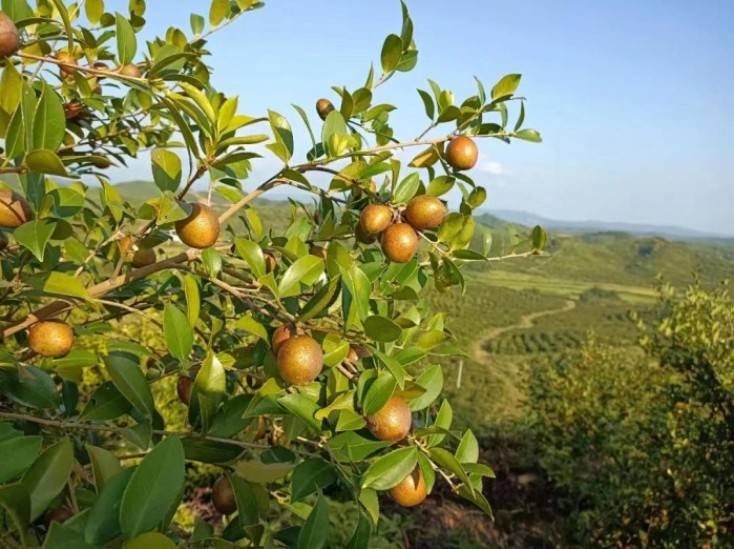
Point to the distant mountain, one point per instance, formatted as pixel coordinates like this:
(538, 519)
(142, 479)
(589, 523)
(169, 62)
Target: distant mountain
(638, 229)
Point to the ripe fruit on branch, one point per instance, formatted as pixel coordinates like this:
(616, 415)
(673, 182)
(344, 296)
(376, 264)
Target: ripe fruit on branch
(131, 70)
(399, 242)
(14, 210)
(223, 496)
(375, 218)
(411, 491)
(462, 153)
(300, 360)
(143, 257)
(50, 338)
(361, 234)
(68, 65)
(318, 251)
(357, 352)
(425, 212)
(324, 107)
(184, 387)
(73, 110)
(282, 334)
(392, 422)
(9, 36)
(270, 262)
(57, 514)
(200, 229)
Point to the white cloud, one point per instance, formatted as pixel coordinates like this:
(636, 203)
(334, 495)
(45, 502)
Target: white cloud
(492, 167)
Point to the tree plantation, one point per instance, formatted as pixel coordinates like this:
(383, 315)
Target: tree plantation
(153, 350)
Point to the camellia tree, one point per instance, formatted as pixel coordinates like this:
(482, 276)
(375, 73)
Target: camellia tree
(304, 353)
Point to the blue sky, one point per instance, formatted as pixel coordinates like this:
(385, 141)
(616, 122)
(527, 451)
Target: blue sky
(633, 98)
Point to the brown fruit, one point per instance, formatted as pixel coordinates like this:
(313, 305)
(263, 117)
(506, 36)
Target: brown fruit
(357, 352)
(411, 491)
(66, 69)
(399, 242)
(375, 218)
(57, 514)
(300, 360)
(362, 235)
(223, 496)
(9, 37)
(3, 241)
(14, 210)
(50, 338)
(270, 262)
(318, 251)
(200, 229)
(73, 110)
(324, 107)
(281, 335)
(131, 70)
(143, 257)
(425, 212)
(101, 66)
(184, 387)
(392, 422)
(462, 153)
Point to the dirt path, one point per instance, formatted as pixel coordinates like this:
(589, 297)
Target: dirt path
(527, 321)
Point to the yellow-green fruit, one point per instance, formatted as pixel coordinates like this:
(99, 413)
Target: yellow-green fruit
(324, 107)
(281, 335)
(425, 212)
(223, 496)
(375, 218)
(300, 360)
(184, 387)
(143, 257)
(411, 491)
(14, 210)
(131, 70)
(200, 229)
(362, 235)
(462, 153)
(392, 422)
(399, 242)
(9, 37)
(50, 338)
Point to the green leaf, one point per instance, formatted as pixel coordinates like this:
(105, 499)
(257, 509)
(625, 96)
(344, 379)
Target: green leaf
(252, 253)
(178, 332)
(392, 51)
(18, 454)
(529, 135)
(48, 162)
(104, 465)
(193, 299)
(303, 407)
(218, 11)
(129, 379)
(428, 104)
(311, 475)
(65, 285)
(247, 504)
(305, 270)
(103, 520)
(94, 10)
(106, 403)
(441, 185)
(208, 391)
(379, 393)
(15, 501)
(356, 291)
(391, 469)
(432, 381)
(49, 122)
(382, 329)
(31, 387)
(166, 169)
(506, 86)
(11, 88)
(444, 418)
(155, 489)
(252, 326)
(446, 460)
(539, 238)
(209, 451)
(283, 136)
(34, 236)
(351, 446)
(127, 43)
(48, 475)
(468, 450)
(477, 197)
(231, 419)
(315, 531)
(65, 536)
(362, 534)
(321, 300)
(151, 540)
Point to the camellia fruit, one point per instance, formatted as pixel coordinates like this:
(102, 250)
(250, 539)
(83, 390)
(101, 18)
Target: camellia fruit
(184, 388)
(392, 422)
(14, 210)
(143, 257)
(399, 242)
(50, 338)
(375, 218)
(425, 212)
(131, 70)
(324, 107)
(9, 36)
(282, 334)
(300, 360)
(411, 491)
(462, 153)
(223, 496)
(200, 229)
